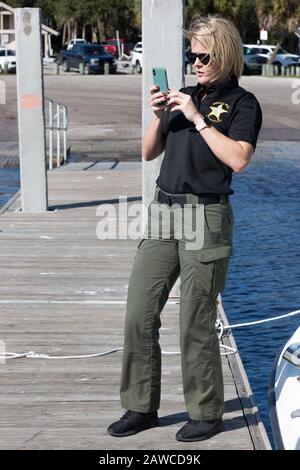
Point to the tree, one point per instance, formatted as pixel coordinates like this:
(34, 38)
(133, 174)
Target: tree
(241, 12)
(118, 15)
(102, 17)
(279, 17)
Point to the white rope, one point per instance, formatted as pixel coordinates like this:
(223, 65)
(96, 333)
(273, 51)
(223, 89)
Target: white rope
(33, 355)
(220, 328)
(257, 322)
(228, 350)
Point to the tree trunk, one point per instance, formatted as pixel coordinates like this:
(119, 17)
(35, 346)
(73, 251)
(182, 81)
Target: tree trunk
(64, 33)
(94, 35)
(69, 30)
(75, 29)
(100, 30)
(274, 53)
(104, 25)
(83, 30)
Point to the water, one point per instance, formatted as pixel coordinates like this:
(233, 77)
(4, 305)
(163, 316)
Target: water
(9, 183)
(264, 276)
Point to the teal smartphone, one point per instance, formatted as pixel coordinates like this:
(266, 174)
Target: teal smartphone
(160, 79)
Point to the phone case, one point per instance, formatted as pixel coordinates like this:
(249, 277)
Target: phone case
(160, 79)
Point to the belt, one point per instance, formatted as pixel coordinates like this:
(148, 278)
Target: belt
(189, 198)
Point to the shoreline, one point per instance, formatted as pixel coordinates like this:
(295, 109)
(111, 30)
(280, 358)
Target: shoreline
(10, 159)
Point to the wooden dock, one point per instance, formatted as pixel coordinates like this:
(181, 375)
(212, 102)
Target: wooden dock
(63, 292)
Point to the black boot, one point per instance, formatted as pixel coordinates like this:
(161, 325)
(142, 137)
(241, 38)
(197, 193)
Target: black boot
(195, 430)
(133, 422)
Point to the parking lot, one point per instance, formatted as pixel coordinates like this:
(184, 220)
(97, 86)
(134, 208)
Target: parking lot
(105, 111)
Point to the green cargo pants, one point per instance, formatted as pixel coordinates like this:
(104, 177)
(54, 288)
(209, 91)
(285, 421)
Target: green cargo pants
(157, 264)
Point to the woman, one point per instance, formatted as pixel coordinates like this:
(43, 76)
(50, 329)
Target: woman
(207, 132)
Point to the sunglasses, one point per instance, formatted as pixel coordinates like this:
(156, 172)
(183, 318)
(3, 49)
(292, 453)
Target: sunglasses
(192, 56)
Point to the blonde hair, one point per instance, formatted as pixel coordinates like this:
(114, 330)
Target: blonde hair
(223, 41)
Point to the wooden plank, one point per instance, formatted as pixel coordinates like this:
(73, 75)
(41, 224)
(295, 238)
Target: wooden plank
(46, 296)
(251, 413)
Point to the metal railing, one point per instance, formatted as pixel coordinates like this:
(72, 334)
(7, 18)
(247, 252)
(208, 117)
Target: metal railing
(57, 126)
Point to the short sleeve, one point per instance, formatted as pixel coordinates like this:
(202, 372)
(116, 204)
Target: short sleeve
(246, 120)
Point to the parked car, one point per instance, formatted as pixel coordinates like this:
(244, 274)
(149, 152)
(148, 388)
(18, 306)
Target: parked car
(252, 62)
(111, 46)
(93, 56)
(9, 58)
(75, 41)
(128, 48)
(282, 58)
(137, 57)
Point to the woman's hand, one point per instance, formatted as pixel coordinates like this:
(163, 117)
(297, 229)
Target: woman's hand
(156, 98)
(182, 102)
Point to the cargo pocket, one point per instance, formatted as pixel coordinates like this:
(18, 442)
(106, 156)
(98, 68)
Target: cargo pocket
(227, 226)
(219, 276)
(211, 276)
(213, 224)
(218, 230)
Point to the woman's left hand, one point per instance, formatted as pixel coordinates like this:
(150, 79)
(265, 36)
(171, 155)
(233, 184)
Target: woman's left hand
(182, 102)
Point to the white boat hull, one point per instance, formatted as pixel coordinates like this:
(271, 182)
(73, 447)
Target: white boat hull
(284, 396)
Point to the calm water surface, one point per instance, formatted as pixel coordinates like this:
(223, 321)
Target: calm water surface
(264, 275)
(9, 183)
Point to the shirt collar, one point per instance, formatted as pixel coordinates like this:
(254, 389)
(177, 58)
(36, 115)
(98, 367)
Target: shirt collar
(218, 88)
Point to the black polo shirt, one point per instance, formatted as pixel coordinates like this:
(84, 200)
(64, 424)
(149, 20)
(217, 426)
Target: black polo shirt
(189, 166)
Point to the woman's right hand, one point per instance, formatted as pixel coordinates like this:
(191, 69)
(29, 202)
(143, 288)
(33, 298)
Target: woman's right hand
(157, 97)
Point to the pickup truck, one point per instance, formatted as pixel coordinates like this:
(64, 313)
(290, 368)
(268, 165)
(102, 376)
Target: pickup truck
(93, 56)
(74, 41)
(111, 46)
